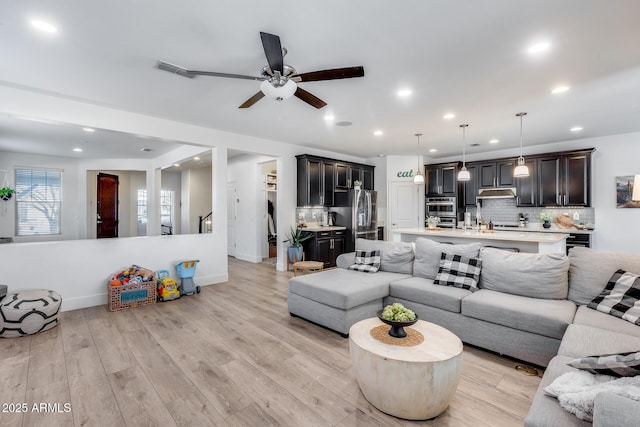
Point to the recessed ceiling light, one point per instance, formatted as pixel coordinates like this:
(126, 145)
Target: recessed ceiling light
(539, 47)
(88, 129)
(196, 158)
(176, 165)
(433, 150)
(380, 155)
(344, 123)
(560, 89)
(77, 150)
(494, 141)
(448, 116)
(403, 93)
(377, 132)
(576, 129)
(44, 26)
(145, 149)
(329, 117)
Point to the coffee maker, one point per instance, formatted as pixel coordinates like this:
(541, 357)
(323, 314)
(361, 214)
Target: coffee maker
(332, 218)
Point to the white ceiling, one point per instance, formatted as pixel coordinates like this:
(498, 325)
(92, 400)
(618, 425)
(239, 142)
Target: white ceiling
(468, 57)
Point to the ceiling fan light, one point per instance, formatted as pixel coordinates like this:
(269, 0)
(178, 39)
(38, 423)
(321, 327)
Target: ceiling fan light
(279, 93)
(418, 178)
(464, 174)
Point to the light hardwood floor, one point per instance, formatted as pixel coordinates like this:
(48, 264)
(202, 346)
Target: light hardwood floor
(231, 356)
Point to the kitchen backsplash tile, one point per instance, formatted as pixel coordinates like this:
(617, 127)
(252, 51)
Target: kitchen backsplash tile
(506, 211)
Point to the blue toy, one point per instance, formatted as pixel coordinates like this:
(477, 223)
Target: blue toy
(186, 271)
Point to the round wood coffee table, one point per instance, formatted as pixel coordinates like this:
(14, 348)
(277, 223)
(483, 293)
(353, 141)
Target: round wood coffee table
(414, 383)
(307, 266)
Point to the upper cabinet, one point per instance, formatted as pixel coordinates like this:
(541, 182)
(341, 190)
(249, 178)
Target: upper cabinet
(469, 188)
(495, 174)
(442, 179)
(319, 179)
(564, 179)
(527, 187)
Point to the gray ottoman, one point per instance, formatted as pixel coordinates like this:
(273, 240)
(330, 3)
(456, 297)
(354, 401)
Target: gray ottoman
(28, 311)
(338, 298)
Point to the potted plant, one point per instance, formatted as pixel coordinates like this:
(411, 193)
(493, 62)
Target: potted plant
(295, 238)
(357, 184)
(6, 193)
(432, 222)
(546, 218)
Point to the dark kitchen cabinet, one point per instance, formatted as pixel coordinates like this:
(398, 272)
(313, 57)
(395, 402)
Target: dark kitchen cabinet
(469, 188)
(564, 180)
(527, 187)
(367, 178)
(348, 173)
(442, 179)
(343, 174)
(495, 174)
(325, 246)
(315, 181)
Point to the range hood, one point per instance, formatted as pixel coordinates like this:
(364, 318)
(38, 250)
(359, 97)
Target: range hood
(497, 193)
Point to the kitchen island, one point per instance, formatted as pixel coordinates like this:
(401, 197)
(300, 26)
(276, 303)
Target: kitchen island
(531, 242)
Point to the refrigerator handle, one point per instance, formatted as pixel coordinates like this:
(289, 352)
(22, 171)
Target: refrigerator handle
(369, 209)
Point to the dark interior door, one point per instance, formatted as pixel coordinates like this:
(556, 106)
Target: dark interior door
(107, 215)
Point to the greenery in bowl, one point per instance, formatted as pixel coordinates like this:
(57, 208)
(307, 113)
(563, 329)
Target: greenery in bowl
(296, 238)
(397, 312)
(357, 183)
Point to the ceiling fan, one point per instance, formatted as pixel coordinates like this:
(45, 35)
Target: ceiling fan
(279, 80)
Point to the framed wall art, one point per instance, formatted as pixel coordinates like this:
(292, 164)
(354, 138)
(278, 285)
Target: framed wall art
(624, 190)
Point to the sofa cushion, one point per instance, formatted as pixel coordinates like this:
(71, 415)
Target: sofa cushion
(428, 255)
(458, 271)
(617, 365)
(583, 341)
(343, 289)
(529, 275)
(423, 291)
(545, 317)
(620, 298)
(590, 317)
(395, 257)
(590, 270)
(366, 261)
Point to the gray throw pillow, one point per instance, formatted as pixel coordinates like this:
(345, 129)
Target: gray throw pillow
(529, 275)
(395, 257)
(428, 254)
(616, 365)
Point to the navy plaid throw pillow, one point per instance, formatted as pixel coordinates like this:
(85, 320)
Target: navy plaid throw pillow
(367, 261)
(621, 297)
(458, 271)
(617, 365)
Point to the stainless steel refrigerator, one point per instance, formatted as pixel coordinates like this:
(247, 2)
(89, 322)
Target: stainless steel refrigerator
(356, 210)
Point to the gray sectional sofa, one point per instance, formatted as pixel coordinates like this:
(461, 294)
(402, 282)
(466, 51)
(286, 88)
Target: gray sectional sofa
(528, 306)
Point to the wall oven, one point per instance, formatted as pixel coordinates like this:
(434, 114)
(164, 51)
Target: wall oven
(444, 208)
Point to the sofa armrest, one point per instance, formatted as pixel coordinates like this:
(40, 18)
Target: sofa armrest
(611, 410)
(346, 259)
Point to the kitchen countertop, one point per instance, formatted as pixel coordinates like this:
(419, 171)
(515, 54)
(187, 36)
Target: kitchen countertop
(513, 236)
(538, 228)
(316, 228)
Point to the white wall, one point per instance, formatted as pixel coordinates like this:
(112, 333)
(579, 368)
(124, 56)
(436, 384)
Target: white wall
(200, 196)
(171, 181)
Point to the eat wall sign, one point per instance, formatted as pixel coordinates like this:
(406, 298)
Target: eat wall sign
(405, 174)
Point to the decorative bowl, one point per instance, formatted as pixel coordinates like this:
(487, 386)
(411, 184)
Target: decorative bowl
(397, 328)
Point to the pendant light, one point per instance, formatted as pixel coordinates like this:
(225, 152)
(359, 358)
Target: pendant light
(418, 178)
(464, 174)
(521, 170)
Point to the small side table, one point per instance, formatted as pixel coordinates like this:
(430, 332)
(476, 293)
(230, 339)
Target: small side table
(414, 383)
(307, 266)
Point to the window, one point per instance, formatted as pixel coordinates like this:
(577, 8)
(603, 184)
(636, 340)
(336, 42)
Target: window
(142, 206)
(166, 207)
(38, 202)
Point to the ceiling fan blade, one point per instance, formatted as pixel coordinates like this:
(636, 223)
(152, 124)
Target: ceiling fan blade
(181, 71)
(273, 51)
(334, 74)
(255, 98)
(309, 98)
(216, 74)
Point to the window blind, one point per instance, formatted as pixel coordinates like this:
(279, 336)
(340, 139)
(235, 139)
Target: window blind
(38, 202)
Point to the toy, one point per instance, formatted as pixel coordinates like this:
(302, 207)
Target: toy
(186, 271)
(167, 287)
